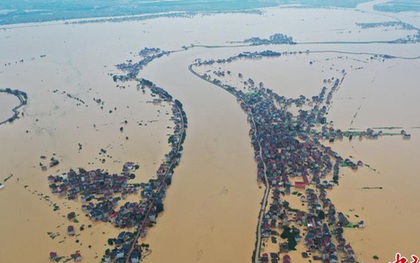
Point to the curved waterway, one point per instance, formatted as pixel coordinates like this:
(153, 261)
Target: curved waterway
(212, 206)
(7, 103)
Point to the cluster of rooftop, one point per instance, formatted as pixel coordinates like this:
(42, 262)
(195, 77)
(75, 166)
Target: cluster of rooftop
(152, 193)
(101, 192)
(276, 39)
(290, 155)
(147, 55)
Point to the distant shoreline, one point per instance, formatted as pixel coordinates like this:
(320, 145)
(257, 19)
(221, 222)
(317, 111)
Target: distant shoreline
(18, 14)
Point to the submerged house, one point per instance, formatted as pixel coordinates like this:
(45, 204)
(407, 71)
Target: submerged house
(77, 257)
(286, 259)
(300, 185)
(53, 256)
(350, 252)
(70, 230)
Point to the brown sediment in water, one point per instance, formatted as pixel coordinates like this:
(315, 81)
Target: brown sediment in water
(7, 102)
(390, 117)
(211, 208)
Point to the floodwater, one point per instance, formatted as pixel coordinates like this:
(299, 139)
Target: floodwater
(212, 205)
(7, 103)
(374, 94)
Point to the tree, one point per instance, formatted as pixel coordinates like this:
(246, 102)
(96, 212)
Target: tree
(159, 208)
(168, 180)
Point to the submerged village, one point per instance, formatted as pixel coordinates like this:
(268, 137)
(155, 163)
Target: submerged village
(292, 160)
(287, 136)
(102, 194)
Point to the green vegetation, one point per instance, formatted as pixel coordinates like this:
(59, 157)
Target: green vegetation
(168, 180)
(53, 235)
(396, 24)
(375, 257)
(290, 235)
(350, 225)
(53, 10)
(171, 139)
(396, 6)
(56, 207)
(159, 208)
(344, 164)
(386, 128)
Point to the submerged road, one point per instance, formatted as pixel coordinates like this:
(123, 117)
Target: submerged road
(256, 254)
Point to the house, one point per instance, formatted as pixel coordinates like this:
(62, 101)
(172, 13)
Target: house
(300, 185)
(51, 179)
(70, 230)
(152, 218)
(120, 254)
(264, 258)
(54, 163)
(406, 136)
(53, 256)
(349, 250)
(305, 179)
(286, 259)
(342, 219)
(77, 257)
(135, 258)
